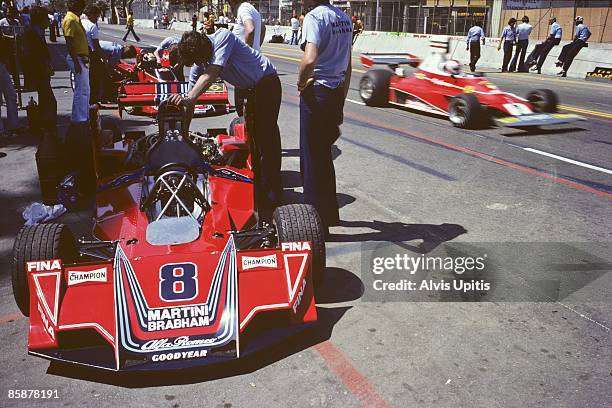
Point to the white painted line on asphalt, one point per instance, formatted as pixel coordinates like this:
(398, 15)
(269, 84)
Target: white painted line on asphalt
(355, 102)
(565, 159)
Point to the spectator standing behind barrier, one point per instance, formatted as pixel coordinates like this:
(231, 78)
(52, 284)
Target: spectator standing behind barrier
(474, 37)
(223, 55)
(130, 27)
(323, 82)
(194, 22)
(37, 67)
(89, 22)
(508, 37)
(77, 59)
(295, 28)
(554, 38)
(580, 40)
(7, 89)
(522, 31)
(155, 21)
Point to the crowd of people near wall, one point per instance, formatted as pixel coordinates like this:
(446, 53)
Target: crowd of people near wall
(515, 40)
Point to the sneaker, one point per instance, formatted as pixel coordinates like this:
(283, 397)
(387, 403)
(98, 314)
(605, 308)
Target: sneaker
(562, 73)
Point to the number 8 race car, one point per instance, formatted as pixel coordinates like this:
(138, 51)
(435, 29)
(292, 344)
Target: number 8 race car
(439, 87)
(181, 271)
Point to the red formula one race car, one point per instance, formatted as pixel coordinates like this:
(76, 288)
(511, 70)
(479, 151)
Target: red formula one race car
(181, 271)
(152, 82)
(439, 87)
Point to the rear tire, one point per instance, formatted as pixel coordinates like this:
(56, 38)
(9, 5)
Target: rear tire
(465, 112)
(543, 100)
(37, 243)
(301, 222)
(374, 87)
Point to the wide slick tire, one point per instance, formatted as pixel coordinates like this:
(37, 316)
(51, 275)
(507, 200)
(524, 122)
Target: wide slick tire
(374, 87)
(37, 243)
(301, 222)
(543, 100)
(465, 112)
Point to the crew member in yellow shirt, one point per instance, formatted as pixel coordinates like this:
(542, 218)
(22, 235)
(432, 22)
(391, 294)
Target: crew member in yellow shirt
(77, 59)
(130, 27)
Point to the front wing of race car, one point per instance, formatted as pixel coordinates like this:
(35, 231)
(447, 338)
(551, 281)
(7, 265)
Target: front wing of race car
(538, 119)
(166, 312)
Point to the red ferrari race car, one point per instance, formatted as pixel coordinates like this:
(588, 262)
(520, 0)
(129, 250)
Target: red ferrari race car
(439, 87)
(181, 272)
(146, 79)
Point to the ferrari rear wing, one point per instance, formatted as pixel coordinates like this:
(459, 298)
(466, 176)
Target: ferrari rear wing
(153, 93)
(392, 60)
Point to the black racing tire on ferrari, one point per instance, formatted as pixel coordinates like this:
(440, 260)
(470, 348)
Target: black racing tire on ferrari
(301, 222)
(374, 87)
(543, 100)
(464, 111)
(37, 243)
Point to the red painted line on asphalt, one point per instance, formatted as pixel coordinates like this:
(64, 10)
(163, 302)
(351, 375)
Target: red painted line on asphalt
(11, 317)
(486, 157)
(352, 379)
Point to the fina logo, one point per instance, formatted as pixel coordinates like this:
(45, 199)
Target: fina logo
(250, 262)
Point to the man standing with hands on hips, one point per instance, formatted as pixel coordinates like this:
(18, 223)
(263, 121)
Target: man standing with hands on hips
(522, 32)
(323, 82)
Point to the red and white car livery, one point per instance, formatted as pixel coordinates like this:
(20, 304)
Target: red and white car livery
(181, 270)
(439, 87)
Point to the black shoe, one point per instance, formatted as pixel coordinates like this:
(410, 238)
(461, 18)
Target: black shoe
(562, 73)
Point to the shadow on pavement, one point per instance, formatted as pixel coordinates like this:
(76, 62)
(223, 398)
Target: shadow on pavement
(535, 131)
(432, 235)
(340, 285)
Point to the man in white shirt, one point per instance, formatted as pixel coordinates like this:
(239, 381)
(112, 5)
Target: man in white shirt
(249, 27)
(295, 28)
(522, 32)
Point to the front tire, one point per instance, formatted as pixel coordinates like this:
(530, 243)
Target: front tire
(465, 112)
(37, 243)
(543, 100)
(374, 87)
(301, 222)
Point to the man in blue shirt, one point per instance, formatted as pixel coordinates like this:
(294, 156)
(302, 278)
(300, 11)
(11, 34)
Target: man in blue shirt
(323, 82)
(554, 38)
(523, 30)
(474, 36)
(580, 40)
(223, 55)
(509, 39)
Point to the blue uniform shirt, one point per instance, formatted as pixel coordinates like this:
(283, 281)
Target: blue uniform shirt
(331, 31)
(556, 30)
(475, 34)
(111, 51)
(523, 30)
(509, 33)
(582, 32)
(166, 43)
(242, 66)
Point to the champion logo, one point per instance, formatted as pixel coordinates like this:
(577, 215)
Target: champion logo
(268, 261)
(96, 275)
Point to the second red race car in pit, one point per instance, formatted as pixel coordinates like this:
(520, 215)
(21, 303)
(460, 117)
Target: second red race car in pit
(181, 271)
(439, 87)
(147, 81)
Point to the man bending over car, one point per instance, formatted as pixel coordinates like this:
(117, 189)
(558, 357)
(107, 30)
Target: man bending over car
(223, 55)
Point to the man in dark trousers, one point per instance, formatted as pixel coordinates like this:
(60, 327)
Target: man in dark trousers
(223, 55)
(130, 27)
(474, 36)
(508, 37)
(554, 38)
(38, 69)
(580, 41)
(523, 30)
(323, 82)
